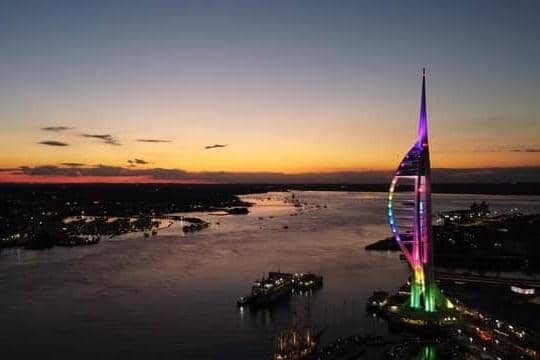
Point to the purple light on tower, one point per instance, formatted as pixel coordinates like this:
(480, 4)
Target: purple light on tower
(409, 215)
(422, 138)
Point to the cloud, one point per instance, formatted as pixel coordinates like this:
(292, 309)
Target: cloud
(215, 146)
(483, 150)
(72, 164)
(53, 143)
(527, 150)
(103, 171)
(107, 139)
(55, 128)
(136, 162)
(153, 140)
(500, 149)
(481, 175)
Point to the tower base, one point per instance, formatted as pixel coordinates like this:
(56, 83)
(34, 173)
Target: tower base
(422, 321)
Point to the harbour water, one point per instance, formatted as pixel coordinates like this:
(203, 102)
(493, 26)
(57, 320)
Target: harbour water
(174, 295)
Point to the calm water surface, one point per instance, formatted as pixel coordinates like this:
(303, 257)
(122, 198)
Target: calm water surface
(174, 295)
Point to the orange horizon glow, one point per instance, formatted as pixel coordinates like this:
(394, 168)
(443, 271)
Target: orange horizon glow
(54, 179)
(15, 176)
(279, 161)
(306, 90)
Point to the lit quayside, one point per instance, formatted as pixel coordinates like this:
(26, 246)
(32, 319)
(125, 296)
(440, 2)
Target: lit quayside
(409, 215)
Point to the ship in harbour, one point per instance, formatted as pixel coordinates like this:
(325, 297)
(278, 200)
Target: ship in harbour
(266, 291)
(278, 286)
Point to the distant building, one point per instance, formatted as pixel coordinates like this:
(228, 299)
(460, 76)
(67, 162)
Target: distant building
(465, 216)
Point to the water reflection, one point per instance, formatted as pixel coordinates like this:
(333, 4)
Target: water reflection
(427, 353)
(176, 295)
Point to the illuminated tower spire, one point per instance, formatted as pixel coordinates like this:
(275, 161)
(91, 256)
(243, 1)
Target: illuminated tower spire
(422, 121)
(409, 215)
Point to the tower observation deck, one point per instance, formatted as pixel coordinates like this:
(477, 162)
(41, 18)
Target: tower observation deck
(409, 216)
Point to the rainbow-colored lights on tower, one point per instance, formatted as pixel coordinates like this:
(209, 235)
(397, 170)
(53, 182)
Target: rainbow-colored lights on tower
(409, 215)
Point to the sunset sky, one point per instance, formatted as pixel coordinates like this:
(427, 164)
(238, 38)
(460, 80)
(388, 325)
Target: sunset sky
(144, 90)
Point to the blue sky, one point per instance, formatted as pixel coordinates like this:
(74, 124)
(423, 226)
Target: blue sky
(288, 86)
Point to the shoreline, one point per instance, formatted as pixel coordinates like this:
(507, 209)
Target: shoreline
(235, 189)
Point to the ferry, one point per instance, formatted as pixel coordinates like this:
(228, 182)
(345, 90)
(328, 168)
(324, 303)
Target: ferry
(279, 285)
(266, 291)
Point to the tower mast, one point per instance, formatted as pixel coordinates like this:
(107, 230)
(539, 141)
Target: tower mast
(409, 203)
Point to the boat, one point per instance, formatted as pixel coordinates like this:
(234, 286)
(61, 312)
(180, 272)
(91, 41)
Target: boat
(377, 300)
(305, 282)
(243, 300)
(279, 285)
(294, 343)
(301, 281)
(266, 291)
